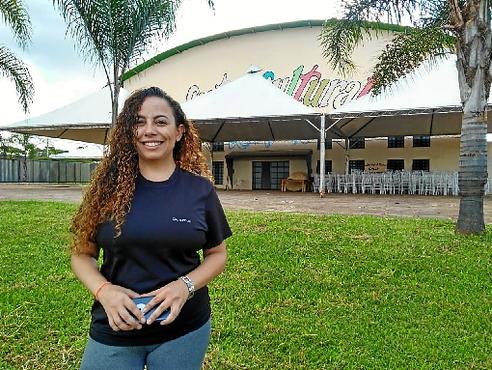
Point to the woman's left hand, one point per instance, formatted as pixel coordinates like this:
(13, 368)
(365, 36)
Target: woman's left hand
(173, 295)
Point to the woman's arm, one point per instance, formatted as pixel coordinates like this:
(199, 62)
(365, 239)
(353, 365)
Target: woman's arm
(175, 294)
(213, 264)
(115, 299)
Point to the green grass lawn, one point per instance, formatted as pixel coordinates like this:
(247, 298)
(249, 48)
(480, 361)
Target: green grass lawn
(300, 292)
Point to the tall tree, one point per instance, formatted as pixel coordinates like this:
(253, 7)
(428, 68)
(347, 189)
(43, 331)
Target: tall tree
(115, 33)
(26, 150)
(438, 27)
(14, 14)
(3, 145)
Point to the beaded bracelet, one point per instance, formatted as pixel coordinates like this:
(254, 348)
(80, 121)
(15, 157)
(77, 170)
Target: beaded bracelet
(98, 290)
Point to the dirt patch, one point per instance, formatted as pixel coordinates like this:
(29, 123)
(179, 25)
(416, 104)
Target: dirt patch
(354, 204)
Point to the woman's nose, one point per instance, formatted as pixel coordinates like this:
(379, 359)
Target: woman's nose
(149, 128)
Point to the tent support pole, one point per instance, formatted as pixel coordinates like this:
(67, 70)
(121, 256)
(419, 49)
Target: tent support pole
(431, 122)
(332, 125)
(322, 136)
(312, 124)
(63, 132)
(363, 127)
(105, 136)
(347, 155)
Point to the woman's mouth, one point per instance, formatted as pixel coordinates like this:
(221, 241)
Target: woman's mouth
(152, 144)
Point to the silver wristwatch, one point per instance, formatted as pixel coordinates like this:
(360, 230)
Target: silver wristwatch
(189, 284)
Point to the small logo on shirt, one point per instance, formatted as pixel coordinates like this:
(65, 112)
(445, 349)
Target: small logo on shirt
(181, 220)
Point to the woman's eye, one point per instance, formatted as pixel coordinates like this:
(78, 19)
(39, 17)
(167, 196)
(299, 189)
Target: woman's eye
(160, 123)
(140, 122)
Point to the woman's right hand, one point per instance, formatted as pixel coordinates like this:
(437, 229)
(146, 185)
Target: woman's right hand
(119, 307)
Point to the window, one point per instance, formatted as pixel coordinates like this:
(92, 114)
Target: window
(395, 165)
(420, 165)
(328, 144)
(358, 165)
(278, 170)
(396, 141)
(328, 168)
(357, 143)
(269, 174)
(421, 141)
(218, 172)
(218, 147)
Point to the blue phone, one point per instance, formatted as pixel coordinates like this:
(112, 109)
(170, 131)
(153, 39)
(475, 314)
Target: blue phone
(142, 301)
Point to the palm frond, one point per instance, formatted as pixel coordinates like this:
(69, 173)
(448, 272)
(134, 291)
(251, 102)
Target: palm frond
(156, 21)
(428, 38)
(15, 16)
(391, 11)
(408, 51)
(434, 13)
(339, 38)
(89, 23)
(115, 33)
(14, 69)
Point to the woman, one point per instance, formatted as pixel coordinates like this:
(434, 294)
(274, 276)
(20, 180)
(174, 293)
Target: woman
(150, 208)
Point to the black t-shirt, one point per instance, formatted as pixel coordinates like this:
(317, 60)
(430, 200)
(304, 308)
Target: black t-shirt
(168, 223)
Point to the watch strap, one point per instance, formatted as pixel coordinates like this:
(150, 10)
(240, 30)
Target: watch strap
(189, 284)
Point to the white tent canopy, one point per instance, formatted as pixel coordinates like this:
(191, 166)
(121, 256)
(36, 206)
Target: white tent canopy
(425, 103)
(87, 151)
(251, 108)
(87, 119)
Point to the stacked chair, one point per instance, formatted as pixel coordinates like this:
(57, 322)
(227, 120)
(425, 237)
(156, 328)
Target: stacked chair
(392, 182)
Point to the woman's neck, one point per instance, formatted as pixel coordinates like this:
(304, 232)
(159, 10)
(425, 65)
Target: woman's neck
(157, 170)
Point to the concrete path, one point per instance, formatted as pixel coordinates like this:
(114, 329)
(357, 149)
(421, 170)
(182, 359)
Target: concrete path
(357, 204)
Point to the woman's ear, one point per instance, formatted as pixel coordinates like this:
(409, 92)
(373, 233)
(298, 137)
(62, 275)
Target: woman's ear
(181, 131)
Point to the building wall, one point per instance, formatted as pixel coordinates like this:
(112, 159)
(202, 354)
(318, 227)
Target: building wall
(292, 59)
(242, 174)
(443, 155)
(297, 165)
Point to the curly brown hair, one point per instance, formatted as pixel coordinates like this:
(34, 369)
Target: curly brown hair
(110, 192)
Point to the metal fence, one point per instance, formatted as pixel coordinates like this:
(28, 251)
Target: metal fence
(48, 171)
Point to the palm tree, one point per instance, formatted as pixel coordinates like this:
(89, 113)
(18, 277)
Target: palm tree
(115, 33)
(438, 27)
(15, 16)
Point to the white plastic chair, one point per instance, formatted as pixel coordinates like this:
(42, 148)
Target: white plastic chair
(377, 183)
(366, 183)
(388, 183)
(415, 178)
(329, 183)
(316, 183)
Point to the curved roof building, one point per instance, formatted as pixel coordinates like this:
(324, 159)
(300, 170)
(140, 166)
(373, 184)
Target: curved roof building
(290, 55)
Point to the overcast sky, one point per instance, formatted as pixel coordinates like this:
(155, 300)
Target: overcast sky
(61, 76)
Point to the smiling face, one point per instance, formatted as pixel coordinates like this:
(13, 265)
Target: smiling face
(156, 130)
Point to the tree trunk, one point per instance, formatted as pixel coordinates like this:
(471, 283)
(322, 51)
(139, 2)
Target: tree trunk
(115, 95)
(473, 63)
(24, 168)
